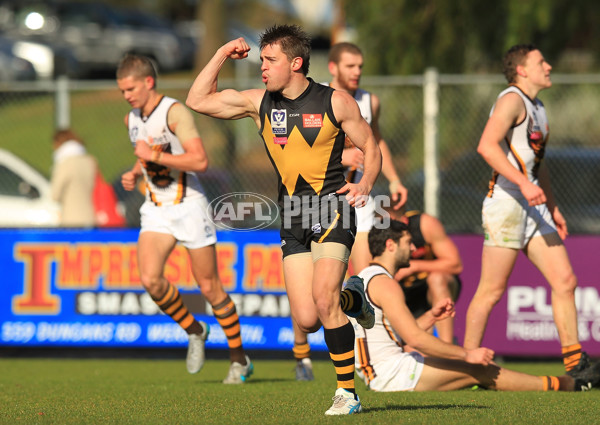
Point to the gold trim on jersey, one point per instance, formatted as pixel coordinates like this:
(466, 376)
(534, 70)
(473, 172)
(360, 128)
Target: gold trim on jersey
(297, 157)
(364, 360)
(390, 331)
(495, 174)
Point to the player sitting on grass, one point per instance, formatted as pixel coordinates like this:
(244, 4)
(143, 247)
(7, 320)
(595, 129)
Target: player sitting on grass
(383, 364)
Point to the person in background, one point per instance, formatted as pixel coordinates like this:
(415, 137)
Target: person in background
(519, 212)
(73, 179)
(435, 365)
(435, 265)
(170, 156)
(345, 66)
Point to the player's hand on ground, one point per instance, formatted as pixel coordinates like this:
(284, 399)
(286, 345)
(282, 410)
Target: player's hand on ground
(533, 193)
(356, 194)
(481, 355)
(561, 223)
(128, 180)
(443, 309)
(399, 194)
(236, 49)
(353, 157)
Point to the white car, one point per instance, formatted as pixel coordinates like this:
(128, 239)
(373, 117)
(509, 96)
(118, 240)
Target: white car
(25, 197)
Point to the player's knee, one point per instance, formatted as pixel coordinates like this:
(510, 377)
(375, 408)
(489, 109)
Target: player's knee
(156, 286)
(490, 295)
(439, 283)
(325, 307)
(308, 324)
(567, 284)
(211, 288)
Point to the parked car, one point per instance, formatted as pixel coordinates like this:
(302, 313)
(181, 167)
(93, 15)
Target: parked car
(13, 67)
(25, 197)
(96, 33)
(36, 59)
(574, 175)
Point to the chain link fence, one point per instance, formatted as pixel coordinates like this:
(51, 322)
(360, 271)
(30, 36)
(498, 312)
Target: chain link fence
(238, 163)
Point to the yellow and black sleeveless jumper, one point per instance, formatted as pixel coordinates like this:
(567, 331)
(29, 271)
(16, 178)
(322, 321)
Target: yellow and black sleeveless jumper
(304, 142)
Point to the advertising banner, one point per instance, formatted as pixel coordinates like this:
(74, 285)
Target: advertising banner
(522, 323)
(82, 288)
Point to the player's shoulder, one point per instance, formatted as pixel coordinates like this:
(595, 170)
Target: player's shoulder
(382, 280)
(509, 103)
(343, 97)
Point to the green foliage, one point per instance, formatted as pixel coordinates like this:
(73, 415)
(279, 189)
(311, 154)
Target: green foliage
(152, 391)
(405, 37)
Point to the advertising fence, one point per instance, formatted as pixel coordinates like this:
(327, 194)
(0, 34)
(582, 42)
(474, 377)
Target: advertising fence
(78, 288)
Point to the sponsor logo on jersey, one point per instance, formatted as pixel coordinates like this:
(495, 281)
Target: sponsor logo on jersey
(280, 140)
(312, 120)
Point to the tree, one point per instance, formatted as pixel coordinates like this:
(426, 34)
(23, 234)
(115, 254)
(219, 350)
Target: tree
(405, 37)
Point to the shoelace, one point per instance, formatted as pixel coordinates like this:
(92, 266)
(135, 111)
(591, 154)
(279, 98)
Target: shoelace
(338, 400)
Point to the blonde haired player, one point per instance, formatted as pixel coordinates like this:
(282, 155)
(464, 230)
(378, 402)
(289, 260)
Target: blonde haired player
(170, 154)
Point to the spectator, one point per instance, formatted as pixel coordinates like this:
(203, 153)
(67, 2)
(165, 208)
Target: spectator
(73, 178)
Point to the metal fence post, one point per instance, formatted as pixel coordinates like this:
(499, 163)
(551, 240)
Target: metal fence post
(431, 109)
(62, 105)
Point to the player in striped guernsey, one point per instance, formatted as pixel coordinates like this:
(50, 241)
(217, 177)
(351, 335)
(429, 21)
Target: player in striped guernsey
(170, 154)
(381, 360)
(303, 126)
(519, 212)
(345, 66)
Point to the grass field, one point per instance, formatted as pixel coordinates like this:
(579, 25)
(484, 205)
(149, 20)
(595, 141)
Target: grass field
(130, 391)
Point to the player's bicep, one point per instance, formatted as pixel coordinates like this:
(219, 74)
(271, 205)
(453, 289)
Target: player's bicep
(507, 112)
(231, 104)
(347, 114)
(181, 122)
(387, 294)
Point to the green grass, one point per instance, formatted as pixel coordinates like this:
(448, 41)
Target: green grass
(117, 391)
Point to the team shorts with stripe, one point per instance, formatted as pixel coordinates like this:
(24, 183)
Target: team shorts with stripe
(399, 373)
(188, 222)
(337, 225)
(365, 216)
(511, 223)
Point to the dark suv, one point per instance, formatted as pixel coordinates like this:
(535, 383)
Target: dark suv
(574, 173)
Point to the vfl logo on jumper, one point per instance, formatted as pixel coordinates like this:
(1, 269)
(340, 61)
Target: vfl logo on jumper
(312, 120)
(279, 121)
(243, 211)
(133, 135)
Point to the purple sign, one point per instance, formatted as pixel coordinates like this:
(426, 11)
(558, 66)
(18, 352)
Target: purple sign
(521, 324)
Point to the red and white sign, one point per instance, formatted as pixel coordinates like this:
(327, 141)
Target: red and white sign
(312, 120)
